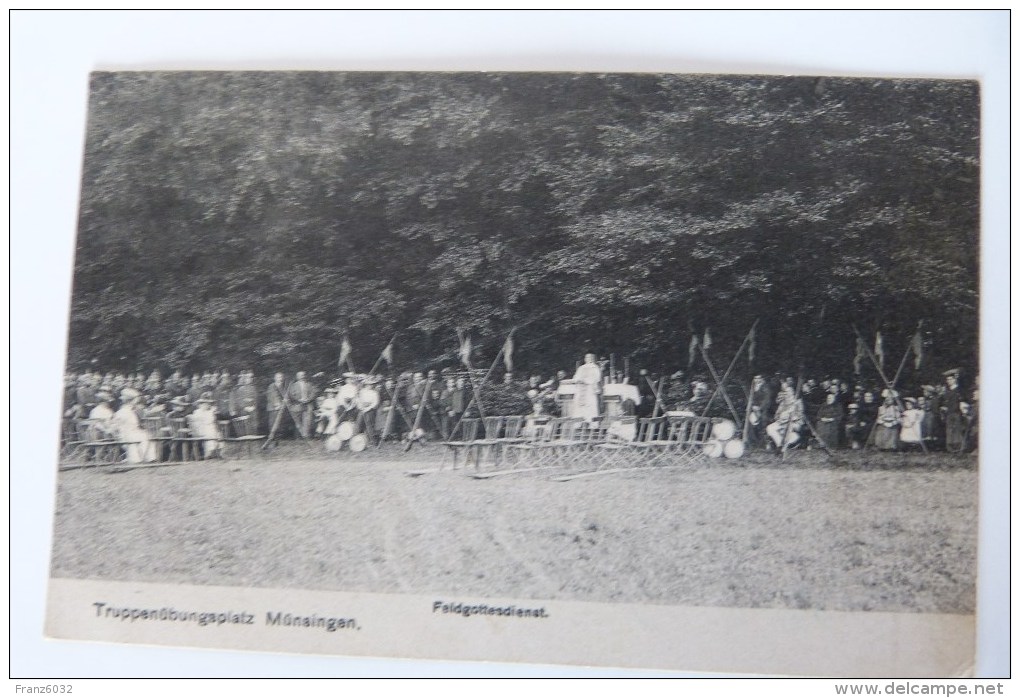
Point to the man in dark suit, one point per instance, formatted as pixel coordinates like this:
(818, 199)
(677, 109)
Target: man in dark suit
(302, 399)
(762, 399)
(275, 396)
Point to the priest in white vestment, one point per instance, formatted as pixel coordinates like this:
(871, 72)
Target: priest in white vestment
(588, 383)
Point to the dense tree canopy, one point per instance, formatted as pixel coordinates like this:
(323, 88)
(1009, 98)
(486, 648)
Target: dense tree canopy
(252, 219)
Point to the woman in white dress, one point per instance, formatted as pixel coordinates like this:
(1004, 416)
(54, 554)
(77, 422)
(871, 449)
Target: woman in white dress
(101, 415)
(327, 413)
(203, 425)
(129, 429)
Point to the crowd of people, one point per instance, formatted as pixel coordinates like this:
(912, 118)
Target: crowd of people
(777, 413)
(833, 414)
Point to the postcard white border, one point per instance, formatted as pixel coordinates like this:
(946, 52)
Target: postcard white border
(53, 52)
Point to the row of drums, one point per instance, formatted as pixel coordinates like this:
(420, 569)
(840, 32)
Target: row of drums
(346, 433)
(724, 441)
(350, 400)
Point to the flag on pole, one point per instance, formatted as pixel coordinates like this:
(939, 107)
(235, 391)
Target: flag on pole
(879, 349)
(862, 351)
(750, 347)
(692, 350)
(508, 353)
(345, 351)
(707, 341)
(917, 346)
(387, 354)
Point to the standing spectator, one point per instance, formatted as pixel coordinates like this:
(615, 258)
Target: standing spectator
(202, 423)
(949, 409)
(887, 427)
(761, 410)
(128, 428)
(102, 414)
(868, 414)
(910, 424)
(588, 384)
(223, 394)
(829, 421)
(302, 396)
(276, 395)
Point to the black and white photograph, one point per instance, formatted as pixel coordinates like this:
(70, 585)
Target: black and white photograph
(515, 347)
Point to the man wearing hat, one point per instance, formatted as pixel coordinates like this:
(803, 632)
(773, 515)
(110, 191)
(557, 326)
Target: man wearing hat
(245, 398)
(952, 416)
(102, 414)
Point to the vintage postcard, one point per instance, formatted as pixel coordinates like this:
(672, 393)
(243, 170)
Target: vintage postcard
(630, 370)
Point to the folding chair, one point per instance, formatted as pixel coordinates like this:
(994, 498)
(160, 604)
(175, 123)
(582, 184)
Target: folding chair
(492, 427)
(687, 436)
(182, 440)
(72, 442)
(616, 444)
(101, 446)
(532, 440)
(512, 427)
(246, 432)
(652, 441)
(160, 435)
(468, 435)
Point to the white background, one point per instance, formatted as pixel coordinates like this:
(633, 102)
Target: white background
(53, 52)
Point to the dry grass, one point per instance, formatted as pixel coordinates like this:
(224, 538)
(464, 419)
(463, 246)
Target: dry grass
(883, 532)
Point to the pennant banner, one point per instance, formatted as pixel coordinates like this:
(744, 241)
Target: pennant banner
(707, 341)
(917, 346)
(508, 353)
(465, 349)
(387, 354)
(751, 347)
(692, 350)
(862, 351)
(345, 352)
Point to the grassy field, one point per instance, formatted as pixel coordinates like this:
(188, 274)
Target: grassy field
(882, 532)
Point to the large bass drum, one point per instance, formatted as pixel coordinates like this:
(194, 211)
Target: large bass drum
(345, 431)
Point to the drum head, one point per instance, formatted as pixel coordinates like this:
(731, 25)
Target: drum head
(724, 430)
(345, 431)
(368, 399)
(734, 448)
(334, 443)
(713, 449)
(358, 443)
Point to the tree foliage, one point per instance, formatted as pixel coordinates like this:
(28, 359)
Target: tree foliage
(252, 219)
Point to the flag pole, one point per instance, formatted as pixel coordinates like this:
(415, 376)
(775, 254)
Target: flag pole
(485, 378)
(658, 396)
(910, 347)
(890, 386)
(383, 353)
(719, 384)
